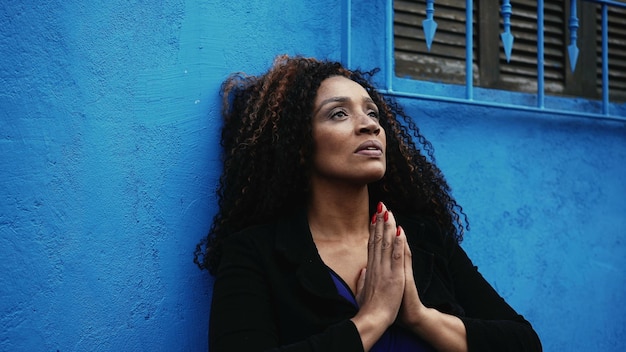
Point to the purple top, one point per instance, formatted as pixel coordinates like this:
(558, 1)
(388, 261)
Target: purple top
(395, 338)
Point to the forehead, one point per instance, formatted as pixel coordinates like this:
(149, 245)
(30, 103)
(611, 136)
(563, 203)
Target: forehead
(339, 86)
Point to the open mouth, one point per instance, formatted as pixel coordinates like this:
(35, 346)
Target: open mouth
(370, 148)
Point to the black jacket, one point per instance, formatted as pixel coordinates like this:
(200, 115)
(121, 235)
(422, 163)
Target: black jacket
(273, 293)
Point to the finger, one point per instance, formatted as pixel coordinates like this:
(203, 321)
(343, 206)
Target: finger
(376, 235)
(399, 250)
(407, 247)
(389, 235)
(371, 243)
(408, 258)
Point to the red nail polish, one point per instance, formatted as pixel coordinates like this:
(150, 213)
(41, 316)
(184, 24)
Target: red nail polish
(379, 207)
(373, 219)
(386, 216)
(398, 231)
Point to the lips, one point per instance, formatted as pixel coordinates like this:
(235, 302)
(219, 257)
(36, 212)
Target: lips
(371, 148)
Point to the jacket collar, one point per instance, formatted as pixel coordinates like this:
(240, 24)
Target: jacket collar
(294, 242)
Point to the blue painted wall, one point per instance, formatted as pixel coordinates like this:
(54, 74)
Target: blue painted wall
(109, 119)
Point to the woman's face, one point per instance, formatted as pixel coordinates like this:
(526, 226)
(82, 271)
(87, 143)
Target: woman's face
(349, 141)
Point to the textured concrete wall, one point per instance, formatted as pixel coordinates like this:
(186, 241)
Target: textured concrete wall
(108, 126)
(109, 120)
(545, 198)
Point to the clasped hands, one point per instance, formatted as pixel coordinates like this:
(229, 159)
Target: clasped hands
(386, 288)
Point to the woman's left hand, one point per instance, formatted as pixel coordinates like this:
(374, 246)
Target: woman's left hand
(412, 310)
(443, 331)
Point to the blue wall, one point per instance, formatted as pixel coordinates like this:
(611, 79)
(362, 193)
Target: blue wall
(109, 119)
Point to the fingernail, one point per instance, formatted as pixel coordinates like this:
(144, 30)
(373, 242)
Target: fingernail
(373, 219)
(379, 207)
(398, 231)
(386, 216)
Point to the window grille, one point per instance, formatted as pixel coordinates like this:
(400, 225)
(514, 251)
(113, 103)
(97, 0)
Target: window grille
(546, 36)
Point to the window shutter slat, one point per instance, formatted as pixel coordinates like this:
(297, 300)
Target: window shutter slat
(445, 62)
(617, 52)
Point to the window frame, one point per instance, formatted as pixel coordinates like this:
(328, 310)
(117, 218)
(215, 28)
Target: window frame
(372, 28)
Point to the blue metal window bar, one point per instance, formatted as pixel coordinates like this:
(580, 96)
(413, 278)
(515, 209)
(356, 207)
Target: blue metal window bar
(507, 37)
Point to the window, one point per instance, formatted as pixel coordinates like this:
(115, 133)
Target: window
(445, 62)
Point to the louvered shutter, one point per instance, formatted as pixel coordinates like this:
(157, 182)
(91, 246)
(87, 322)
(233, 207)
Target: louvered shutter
(446, 60)
(520, 73)
(617, 52)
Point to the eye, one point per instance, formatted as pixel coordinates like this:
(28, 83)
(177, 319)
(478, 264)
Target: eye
(373, 114)
(338, 114)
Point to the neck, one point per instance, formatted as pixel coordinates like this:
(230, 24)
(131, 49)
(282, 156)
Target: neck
(338, 212)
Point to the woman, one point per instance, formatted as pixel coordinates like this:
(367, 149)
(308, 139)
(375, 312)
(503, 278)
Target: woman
(335, 232)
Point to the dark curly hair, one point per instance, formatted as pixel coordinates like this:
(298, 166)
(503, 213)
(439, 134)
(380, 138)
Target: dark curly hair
(267, 149)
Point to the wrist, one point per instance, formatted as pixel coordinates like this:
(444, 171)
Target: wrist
(414, 314)
(417, 319)
(443, 331)
(370, 327)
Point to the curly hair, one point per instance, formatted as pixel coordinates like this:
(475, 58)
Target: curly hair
(268, 147)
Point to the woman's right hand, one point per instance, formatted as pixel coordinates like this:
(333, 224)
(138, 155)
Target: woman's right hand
(381, 284)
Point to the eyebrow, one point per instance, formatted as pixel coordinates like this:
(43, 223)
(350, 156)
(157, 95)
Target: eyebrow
(341, 100)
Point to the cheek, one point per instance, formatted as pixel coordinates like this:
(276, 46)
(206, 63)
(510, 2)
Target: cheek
(329, 149)
(383, 137)
(327, 139)
(325, 151)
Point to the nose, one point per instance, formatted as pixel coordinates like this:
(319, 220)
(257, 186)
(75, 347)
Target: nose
(367, 125)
